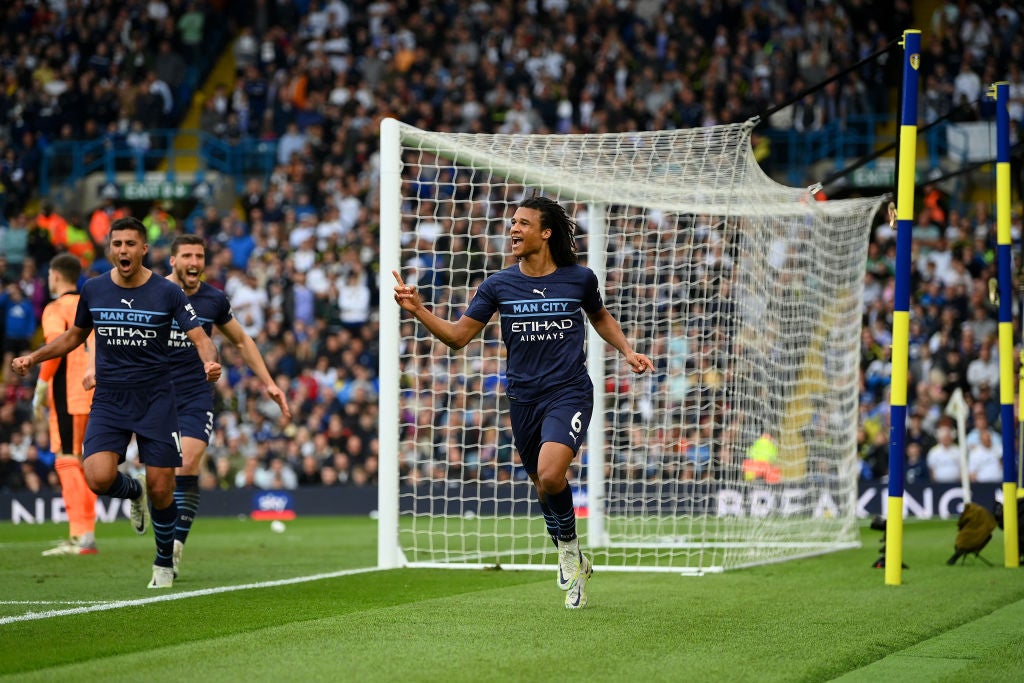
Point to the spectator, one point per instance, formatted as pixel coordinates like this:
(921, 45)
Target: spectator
(247, 476)
(191, 28)
(102, 217)
(19, 322)
(917, 434)
(983, 370)
(240, 243)
(697, 456)
(54, 225)
(33, 285)
(14, 243)
(985, 459)
(354, 301)
(249, 302)
(310, 474)
(161, 225)
(943, 458)
(246, 49)
(276, 475)
(138, 142)
(967, 89)
(981, 425)
(291, 143)
(169, 66)
(915, 468)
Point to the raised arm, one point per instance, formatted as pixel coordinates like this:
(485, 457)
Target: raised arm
(58, 347)
(207, 353)
(454, 335)
(611, 332)
(252, 357)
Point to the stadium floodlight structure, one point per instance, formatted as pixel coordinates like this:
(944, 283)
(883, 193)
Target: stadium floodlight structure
(740, 449)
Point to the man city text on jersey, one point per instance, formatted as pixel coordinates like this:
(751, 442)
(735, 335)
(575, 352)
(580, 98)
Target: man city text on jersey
(542, 325)
(542, 330)
(123, 335)
(132, 327)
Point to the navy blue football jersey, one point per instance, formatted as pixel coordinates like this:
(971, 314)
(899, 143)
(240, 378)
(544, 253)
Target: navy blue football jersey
(132, 327)
(212, 308)
(543, 325)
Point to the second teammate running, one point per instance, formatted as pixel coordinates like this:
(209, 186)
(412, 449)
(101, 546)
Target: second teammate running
(195, 398)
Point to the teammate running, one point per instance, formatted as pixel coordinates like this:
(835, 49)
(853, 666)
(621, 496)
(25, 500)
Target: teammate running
(132, 311)
(195, 397)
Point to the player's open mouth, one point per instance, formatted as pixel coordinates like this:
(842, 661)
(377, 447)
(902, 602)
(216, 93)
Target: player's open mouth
(192, 273)
(516, 241)
(125, 263)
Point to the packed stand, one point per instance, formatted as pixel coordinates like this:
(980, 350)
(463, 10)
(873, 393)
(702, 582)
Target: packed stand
(109, 70)
(954, 315)
(299, 257)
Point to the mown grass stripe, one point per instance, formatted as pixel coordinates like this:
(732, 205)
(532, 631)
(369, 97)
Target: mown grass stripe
(978, 644)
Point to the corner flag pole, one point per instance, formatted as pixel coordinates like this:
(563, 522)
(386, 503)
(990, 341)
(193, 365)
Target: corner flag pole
(1001, 93)
(901, 314)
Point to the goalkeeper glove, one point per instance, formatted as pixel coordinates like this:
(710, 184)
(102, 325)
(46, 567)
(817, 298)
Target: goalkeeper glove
(39, 398)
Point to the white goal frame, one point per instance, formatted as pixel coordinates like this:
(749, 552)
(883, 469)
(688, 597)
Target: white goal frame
(731, 188)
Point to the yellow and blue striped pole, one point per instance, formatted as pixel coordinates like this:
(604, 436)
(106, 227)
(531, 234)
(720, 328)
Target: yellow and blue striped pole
(1001, 93)
(901, 313)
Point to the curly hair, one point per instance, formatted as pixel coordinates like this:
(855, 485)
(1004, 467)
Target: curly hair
(562, 242)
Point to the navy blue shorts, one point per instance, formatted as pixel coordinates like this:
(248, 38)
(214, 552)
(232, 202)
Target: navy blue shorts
(147, 412)
(195, 413)
(562, 416)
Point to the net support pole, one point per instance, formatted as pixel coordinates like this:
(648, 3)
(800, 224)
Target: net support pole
(901, 313)
(1001, 93)
(597, 455)
(388, 551)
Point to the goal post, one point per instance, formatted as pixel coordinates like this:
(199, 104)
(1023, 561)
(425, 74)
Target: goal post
(739, 450)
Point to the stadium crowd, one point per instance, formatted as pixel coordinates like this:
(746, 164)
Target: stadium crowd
(299, 255)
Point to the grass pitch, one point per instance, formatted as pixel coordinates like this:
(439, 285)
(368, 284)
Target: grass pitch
(255, 605)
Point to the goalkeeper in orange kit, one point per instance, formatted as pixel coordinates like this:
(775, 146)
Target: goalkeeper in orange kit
(60, 388)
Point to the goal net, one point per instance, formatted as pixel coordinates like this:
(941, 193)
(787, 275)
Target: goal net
(739, 450)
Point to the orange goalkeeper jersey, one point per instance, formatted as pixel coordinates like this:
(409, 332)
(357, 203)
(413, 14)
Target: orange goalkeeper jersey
(58, 316)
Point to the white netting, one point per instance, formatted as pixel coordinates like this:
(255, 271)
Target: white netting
(746, 294)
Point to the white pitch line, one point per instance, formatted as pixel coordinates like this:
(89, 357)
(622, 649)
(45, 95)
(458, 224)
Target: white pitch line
(166, 597)
(53, 602)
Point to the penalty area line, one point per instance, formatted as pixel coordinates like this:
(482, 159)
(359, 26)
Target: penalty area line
(166, 597)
